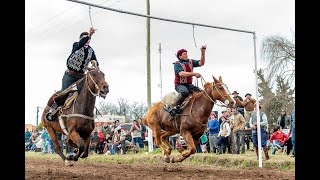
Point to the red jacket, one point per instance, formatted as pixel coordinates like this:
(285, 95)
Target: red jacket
(281, 137)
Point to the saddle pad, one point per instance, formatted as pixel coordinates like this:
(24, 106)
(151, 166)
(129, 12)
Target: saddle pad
(69, 100)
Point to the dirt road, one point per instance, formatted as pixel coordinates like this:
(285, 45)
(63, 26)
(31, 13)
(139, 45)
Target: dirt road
(55, 169)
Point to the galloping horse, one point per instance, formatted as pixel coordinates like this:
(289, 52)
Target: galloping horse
(191, 122)
(76, 117)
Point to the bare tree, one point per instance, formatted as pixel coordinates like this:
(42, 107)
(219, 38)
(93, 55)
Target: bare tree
(138, 110)
(108, 108)
(124, 107)
(279, 53)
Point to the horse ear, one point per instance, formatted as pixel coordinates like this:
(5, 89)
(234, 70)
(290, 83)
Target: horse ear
(215, 80)
(220, 78)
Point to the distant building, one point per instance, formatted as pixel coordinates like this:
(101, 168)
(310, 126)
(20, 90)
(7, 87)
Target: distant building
(108, 119)
(29, 126)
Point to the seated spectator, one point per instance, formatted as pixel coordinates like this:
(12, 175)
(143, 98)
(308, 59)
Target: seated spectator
(107, 143)
(101, 141)
(277, 139)
(95, 140)
(27, 135)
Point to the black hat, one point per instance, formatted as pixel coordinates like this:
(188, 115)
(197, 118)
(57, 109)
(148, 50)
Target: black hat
(247, 95)
(235, 92)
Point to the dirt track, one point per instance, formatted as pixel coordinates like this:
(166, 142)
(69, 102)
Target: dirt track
(55, 169)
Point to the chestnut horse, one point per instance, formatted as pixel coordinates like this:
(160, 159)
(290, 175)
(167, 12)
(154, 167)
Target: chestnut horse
(190, 123)
(76, 117)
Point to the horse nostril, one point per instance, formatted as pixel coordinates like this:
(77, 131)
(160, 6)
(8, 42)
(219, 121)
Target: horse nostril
(106, 89)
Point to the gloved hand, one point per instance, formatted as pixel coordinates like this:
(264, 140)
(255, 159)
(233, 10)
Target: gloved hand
(94, 63)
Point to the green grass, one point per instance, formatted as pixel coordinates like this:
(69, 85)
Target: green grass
(248, 160)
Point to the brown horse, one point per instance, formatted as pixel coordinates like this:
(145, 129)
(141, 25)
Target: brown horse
(190, 123)
(76, 117)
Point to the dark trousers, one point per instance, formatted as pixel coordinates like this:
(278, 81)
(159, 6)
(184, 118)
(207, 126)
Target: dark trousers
(69, 79)
(172, 141)
(185, 89)
(223, 142)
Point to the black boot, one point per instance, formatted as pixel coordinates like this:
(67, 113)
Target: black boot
(176, 109)
(265, 150)
(51, 115)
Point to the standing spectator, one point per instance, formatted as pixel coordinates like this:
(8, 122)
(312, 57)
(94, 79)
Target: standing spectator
(27, 135)
(263, 126)
(277, 139)
(173, 140)
(293, 131)
(227, 114)
(223, 136)
(248, 104)
(213, 128)
(237, 124)
(284, 120)
(136, 134)
(240, 107)
(143, 129)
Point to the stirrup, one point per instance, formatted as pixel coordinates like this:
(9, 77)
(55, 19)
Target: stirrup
(50, 116)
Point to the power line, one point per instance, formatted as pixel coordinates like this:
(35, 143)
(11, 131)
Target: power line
(40, 34)
(53, 17)
(71, 24)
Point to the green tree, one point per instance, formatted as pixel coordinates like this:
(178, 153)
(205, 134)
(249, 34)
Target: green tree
(40, 127)
(272, 103)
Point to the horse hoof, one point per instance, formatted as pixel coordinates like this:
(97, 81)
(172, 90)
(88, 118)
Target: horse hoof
(167, 160)
(68, 163)
(70, 157)
(172, 160)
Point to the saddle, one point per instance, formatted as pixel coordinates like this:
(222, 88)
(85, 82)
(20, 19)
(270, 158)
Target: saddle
(169, 99)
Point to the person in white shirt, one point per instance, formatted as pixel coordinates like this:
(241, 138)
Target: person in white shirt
(223, 136)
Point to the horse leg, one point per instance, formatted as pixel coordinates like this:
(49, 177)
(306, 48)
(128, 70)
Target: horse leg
(75, 137)
(86, 148)
(164, 136)
(191, 148)
(56, 145)
(158, 140)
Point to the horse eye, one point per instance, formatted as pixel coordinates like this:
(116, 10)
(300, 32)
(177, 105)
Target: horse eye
(221, 87)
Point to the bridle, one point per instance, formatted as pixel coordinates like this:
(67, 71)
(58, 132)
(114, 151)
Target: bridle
(214, 86)
(95, 85)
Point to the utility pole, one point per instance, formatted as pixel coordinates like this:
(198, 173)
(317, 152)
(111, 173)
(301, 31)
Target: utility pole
(37, 116)
(150, 137)
(160, 85)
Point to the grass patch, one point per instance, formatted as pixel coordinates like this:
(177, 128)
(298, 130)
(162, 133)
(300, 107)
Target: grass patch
(237, 161)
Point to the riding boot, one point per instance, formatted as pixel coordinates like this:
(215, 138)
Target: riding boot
(265, 150)
(176, 105)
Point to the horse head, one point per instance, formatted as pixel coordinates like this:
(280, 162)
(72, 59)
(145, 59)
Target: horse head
(96, 82)
(221, 92)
